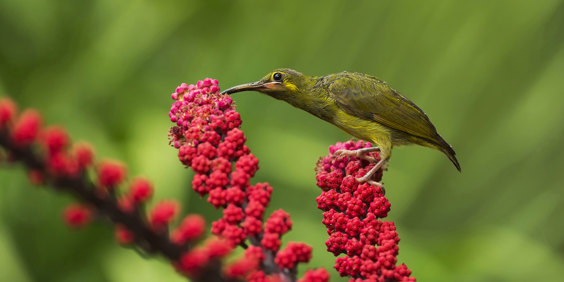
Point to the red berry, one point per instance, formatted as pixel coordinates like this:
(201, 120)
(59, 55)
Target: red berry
(271, 241)
(317, 275)
(27, 127)
(110, 173)
(124, 236)
(192, 262)
(7, 111)
(162, 213)
(77, 215)
(191, 227)
(84, 154)
(55, 139)
(140, 190)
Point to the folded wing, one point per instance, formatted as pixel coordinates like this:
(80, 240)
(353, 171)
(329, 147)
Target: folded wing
(367, 97)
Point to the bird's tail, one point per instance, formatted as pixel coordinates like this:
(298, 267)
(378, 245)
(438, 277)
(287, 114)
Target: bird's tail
(444, 147)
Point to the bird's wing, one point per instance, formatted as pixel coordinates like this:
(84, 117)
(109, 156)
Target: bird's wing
(372, 99)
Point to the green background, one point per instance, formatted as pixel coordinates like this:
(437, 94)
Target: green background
(490, 75)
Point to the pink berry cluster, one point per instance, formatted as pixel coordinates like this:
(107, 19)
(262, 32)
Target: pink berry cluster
(51, 158)
(208, 137)
(352, 213)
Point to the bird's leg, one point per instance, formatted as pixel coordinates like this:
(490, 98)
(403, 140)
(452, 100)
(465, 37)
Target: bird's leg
(371, 172)
(359, 153)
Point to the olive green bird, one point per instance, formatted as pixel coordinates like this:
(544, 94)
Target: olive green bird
(362, 105)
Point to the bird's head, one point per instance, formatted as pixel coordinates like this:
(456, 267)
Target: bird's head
(283, 84)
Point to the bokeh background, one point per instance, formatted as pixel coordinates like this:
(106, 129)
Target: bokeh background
(490, 75)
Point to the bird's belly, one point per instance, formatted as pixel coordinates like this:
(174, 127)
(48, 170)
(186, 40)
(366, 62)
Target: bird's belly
(361, 128)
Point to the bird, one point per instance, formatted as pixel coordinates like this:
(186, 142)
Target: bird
(361, 105)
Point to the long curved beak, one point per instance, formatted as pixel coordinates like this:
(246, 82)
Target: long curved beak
(255, 86)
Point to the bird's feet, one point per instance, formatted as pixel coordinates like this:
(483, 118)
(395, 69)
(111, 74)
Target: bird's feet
(363, 154)
(359, 153)
(367, 177)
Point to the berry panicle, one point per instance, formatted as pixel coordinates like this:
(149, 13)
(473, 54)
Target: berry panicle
(352, 213)
(209, 139)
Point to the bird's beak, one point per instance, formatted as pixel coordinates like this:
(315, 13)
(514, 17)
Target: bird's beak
(259, 86)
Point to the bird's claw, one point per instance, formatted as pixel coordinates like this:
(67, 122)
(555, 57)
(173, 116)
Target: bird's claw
(345, 153)
(359, 153)
(363, 154)
(378, 184)
(375, 183)
(365, 179)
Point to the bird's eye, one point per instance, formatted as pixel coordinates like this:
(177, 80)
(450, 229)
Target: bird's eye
(277, 76)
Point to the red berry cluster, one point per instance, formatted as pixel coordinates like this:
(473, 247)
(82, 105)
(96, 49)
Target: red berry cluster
(208, 137)
(51, 158)
(61, 160)
(196, 262)
(352, 213)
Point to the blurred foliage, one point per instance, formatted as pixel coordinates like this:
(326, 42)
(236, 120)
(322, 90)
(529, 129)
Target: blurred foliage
(488, 73)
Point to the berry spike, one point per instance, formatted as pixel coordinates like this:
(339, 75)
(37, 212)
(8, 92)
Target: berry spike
(209, 139)
(352, 213)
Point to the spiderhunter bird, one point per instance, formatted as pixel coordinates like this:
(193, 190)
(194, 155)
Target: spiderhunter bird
(362, 105)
